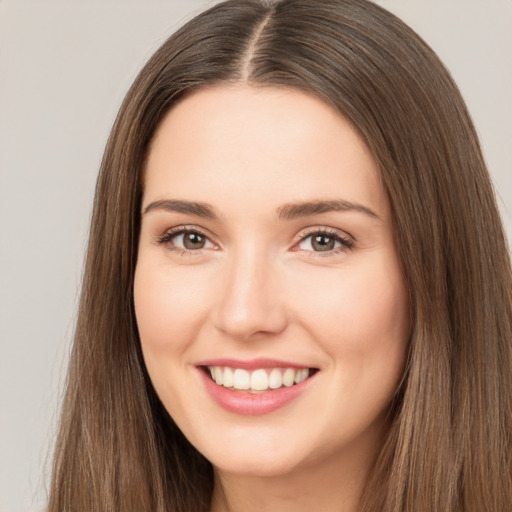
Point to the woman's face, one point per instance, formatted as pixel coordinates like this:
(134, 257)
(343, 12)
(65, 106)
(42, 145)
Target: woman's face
(267, 259)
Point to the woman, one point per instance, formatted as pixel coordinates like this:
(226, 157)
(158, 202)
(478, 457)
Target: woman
(297, 291)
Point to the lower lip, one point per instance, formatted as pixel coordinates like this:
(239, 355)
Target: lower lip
(253, 404)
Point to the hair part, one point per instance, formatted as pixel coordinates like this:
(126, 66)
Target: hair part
(449, 446)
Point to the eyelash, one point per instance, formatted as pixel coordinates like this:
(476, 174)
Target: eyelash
(346, 243)
(167, 237)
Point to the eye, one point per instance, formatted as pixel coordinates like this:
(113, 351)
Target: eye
(186, 240)
(323, 241)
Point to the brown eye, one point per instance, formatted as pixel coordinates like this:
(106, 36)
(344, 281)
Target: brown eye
(193, 241)
(186, 240)
(325, 242)
(322, 243)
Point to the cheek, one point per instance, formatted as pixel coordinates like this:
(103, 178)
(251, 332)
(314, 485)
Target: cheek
(168, 305)
(359, 313)
(169, 309)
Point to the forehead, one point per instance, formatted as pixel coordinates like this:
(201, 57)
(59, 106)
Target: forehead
(277, 144)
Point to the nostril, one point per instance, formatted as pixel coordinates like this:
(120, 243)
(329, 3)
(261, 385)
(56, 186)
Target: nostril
(248, 307)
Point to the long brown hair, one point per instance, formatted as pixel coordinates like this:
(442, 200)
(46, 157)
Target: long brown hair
(449, 446)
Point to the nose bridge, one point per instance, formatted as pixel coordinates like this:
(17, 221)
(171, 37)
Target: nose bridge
(249, 301)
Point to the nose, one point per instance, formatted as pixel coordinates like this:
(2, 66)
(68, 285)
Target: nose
(251, 299)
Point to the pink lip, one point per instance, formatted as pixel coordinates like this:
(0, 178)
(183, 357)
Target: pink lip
(252, 364)
(253, 404)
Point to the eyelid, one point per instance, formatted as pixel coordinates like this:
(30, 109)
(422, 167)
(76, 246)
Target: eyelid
(347, 241)
(169, 233)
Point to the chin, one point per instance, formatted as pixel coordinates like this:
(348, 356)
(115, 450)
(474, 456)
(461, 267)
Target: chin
(259, 457)
(263, 467)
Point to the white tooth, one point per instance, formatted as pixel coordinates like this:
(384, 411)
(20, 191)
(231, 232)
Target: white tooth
(217, 375)
(259, 380)
(301, 375)
(288, 377)
(212, 373)
(227, 378)
(275, 379)
(241, 379)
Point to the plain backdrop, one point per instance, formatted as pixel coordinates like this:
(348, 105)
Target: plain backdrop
(64, 68)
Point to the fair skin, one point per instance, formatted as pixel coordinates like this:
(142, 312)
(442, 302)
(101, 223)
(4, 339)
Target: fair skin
(244, 282)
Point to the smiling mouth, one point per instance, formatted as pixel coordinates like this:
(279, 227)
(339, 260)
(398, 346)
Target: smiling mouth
(259, 380)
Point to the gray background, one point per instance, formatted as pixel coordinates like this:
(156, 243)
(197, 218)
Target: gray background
(64, 67)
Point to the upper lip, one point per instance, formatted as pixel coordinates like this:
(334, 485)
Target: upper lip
(252, 364)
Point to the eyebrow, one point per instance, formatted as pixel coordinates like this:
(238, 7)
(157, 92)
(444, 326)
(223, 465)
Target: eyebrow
(295, 210)
(203, 210)
(287, 211)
